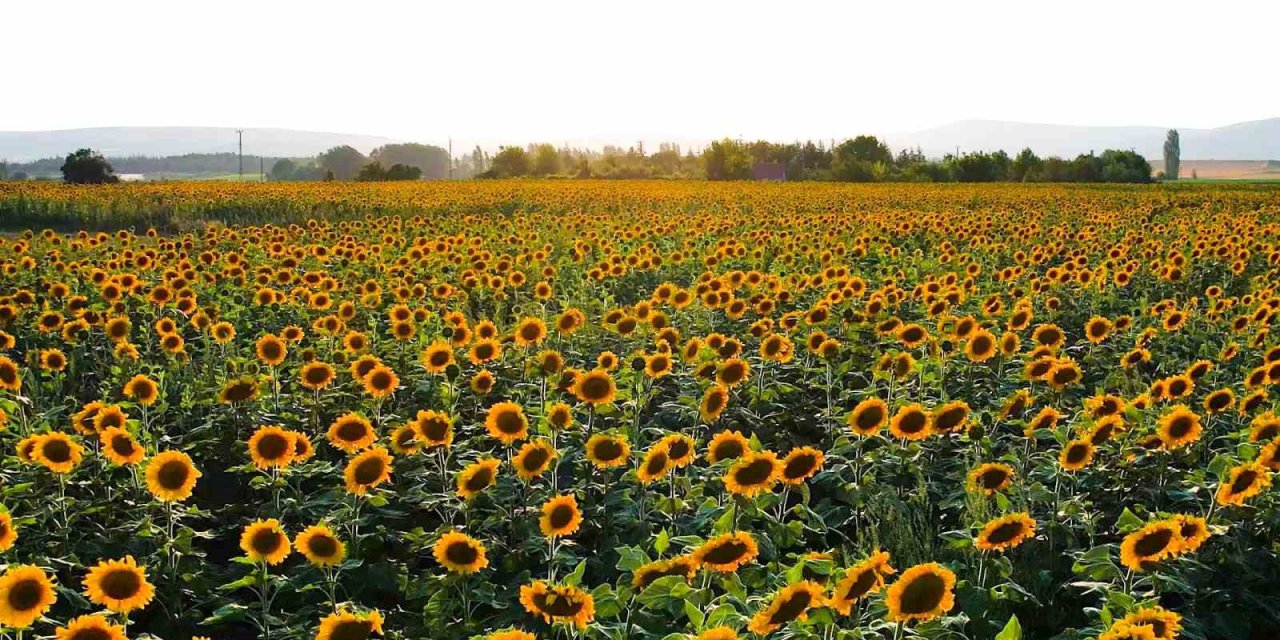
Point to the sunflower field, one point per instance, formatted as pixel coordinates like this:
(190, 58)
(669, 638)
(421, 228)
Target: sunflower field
(639, 411)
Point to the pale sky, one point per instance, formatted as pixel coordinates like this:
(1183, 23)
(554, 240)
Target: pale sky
(521, 71)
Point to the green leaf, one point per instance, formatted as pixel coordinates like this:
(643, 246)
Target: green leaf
(575, 578)
(724, 524)
(1128, 522)
(695, 616)
(662, 542)
(1012, 630)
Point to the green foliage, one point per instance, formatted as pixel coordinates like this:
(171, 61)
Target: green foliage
(86, 166)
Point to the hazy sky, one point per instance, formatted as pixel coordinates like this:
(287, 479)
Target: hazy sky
(522, 70)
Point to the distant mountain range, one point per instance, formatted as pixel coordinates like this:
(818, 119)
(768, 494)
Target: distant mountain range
(1257, 140)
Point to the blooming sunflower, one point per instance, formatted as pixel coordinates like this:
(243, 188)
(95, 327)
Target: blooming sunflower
(718, 633)
(911, 422)
(242, 389)
(351, 432)
(561, 603)
(26, 593)
(120, 448)
(1006, 532)
(320, 545)
(437, 357)
(381, 382)
(271, 350)
(861, 580)
(726, 552)
(1076, 455)
(91, 627)
(460, 553)
(923, 592)
(171, 476)
(869, 417)
(727, 445)
(346, 624)
(507, 423)
(951, 416)
(789, 604)
(656, 463)
(752, 474)
(606, 450)
(119, 585)
(477, 477)
(990, 477)
(595, 387)
(1244, 481)
(1165, 624)
(265, 541)
(560, 516)
(57, 452)
(1150, 544)
(714, 402)
(1179, 427)
(271, 447)
(534, 458)
(8, 531)
(316, 375)
(559, 416)
(684, 566)
(433, 428)
(142, 389)
(367, 470)
(800, 465)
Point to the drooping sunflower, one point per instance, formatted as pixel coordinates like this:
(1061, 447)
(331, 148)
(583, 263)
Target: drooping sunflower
(606, 450)
(351, 432)
(789, 604)
(1244, 481)
(595, 387)
(714, 402)
(271, 447)
(1150, 544)
(120, 448)
(558, 603)
(1076, 455)
(460, 553)
(119, 585)
(242, 389)
(923, 592)
(560, 516)
(316, 375)
(91, 627)
(911, 422)
(990, 477)
(1165, 624)
(142, 389)
(57, 452)
(684, 566)
(859, 581)
(26, 593)
(346, 624)
(869, 417)
(477, 477)
(1006, 532)
(171, 476)
(752, 474)
(534, 458)
(726, 552)
(367, 470)
(800, 465)
(437, 357)
(321, 546)
(1179, 427)
(265, 541)
(507, 423)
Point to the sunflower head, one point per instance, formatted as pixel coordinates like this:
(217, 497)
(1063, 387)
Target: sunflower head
(321, 546)
(726, 552)
(346, 624)
(26, 593)
(560, 516)
(119, 585)
(565, 604)
(92, 627)
(171, 476)
(265, 541)
(367, 470)
(460, 553)
(923, 592)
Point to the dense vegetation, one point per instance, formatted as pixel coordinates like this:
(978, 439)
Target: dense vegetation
(639, 410)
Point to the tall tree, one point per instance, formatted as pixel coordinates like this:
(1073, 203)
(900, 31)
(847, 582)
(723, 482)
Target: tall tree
(432, 160)
(1172, 155)
(87, 166)
(344, 162)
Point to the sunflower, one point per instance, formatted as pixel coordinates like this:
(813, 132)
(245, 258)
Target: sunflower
(57, 452)
(271, 447)
(242, 389)
(684, 566)
(605, 450)
(549, 362)
(559, 416)
(923, 592)
(433, 428)
(271, 350)
(1048, 335)
(437, 357)
(482, 383)
(912, 335)
(8, 531)
(869, 417)
(404, 440)
(321, 546)
(351, 432)
(951, 416)
(484, 350)
(1076, 455)
(1179, 427)
(511, 634)
(460, 553)
(119, 585)
(10, 378)
(1194, 531)
(53, 360)
(265, 541)
(657, 365)
(789, 604)
(752, 474)
(681, 449)
(367, 470)
(726, 552)
(801, 464)
(26, 593)
(1165, 624)
(316, 375)
(1219, 401)
(560, 516)
(1064, 373)
(507, 423)
(477, 477)
(381, 381)
(1045, 420)
(1150, 544)
(713, 403)
(345, 624)
(530, 331)
(91, 627)
(1006, 532)
(861, 580)
(84, 421)
(981, 346)
(656, 463)
(990, 477)
(142, 389)
(1243, 482)
(727, 445)
(558, 603)
(596, 387)
(534, 458)
(1097, 329)
(911, 422)
(733, 372)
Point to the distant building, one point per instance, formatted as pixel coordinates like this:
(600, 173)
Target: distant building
(773, 171)
(131, 177)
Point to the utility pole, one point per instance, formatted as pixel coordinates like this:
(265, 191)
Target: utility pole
(451, 157)
(240, 146)
(262, 170)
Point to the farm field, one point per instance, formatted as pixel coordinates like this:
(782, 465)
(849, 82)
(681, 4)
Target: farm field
(619, 410)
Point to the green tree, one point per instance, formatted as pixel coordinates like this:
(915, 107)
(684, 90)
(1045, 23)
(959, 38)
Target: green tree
(433, 161)
(861, 159)
(344, 162)
(510, 162)
(1026, 166)
(1172, 155)
(86, 166)
(726, 160)
(284, 169)
(546, 160)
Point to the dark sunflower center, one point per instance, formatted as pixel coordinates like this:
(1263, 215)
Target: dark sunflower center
(1177, 387)
(317, 375)
(509, 422)
(173, 474)
(860, 585)
(1005, 532)
(557, 605)
(912, 335)
(90, 633)
(799, 466)
(535, 459)
(266, 541)
(912, 422)
(678, 449)
(1179, 426)
(992, 478)
(25, 595)
(121, 584)
(352, 431)
(923, 594)
(368, 470)
(479, 480)
(607, 450)
(239, 391)
(1076, 453)
(352, 630)
(322, 546)
(380, 380)
(1218, 401)
(732, 373)
(1153, 543)
(435, 430)
(484, 351)
(870, 418)
(791, 609)
(461, 553)
(273, 446)
(1244, 481)
(439, 358)
(754, 473)
(595, 388)
(561, 516)
(950, 419)
(725, 552)
(56, 451)
(729, 449)
(982, 345)
(657, 463)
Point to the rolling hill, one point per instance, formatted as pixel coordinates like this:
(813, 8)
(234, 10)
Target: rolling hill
(21, 146)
